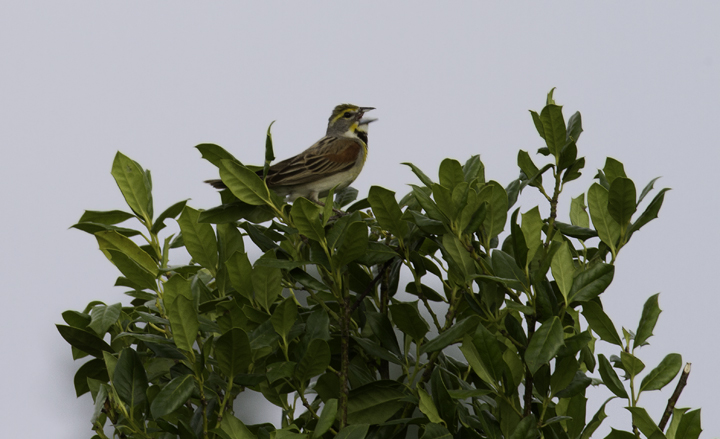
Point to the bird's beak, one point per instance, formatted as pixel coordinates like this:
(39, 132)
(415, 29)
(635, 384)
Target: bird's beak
(363, 110)
(366, 121)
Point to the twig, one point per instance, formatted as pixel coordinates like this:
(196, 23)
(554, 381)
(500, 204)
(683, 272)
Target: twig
(371, 285)
(674, 398)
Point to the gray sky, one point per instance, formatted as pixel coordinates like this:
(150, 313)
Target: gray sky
(82, 80)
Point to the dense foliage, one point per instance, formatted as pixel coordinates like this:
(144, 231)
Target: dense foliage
(319, 324)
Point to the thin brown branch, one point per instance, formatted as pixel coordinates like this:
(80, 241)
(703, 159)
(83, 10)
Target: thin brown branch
(675, 396)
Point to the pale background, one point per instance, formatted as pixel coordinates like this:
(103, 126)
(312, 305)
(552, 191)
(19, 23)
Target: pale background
(82, 80)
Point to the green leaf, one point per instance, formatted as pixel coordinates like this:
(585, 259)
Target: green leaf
(651, 312)
(505, 267)
(375, 350)
(613, 169)
(608, 229)
(381, 327)
(632, 365)
(528, 167)
(129, 379)
(327, 418)
(427, 407)
(689, 427)
(170, 212)
(600, 323)
(644, 423)
(538, 123)
(544, 344)
(181, 311)
(355, 431)
(84, 340)
(353, 243)
(93, 369)
(677, 416)
(239, 270)
(563, 270)
(578, 213)
(531, 228)
(234, 428)
(266, 282)
(387, 212)
(474, 169)
(610, 378)
(374, 403)
(112, 240)
(428, 204)
(554, 128)
(214, 153)
(407, 318)
(306, 216)
(574, 126)
(284, 316)
(420, 174)
(452, 335)
(100, 399)
(661, 376)
(199, 239)
(232, 352)
(108, 217)
(563, 374)
(651, 212)
(473, 358)
(526, 429)
(244, 183)
(620, 434)
(459, 255)
(596, 420)
(647, 190)
(104, 316)
(315, 361)
(520, 248)
(444, 200)
(172, 396)
(496, 217)
(135, 185)
(451, 173)
(489, 350)
(590, 283)
(621, 200)
(435, 431)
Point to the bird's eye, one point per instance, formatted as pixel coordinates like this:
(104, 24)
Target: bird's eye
(347, 115)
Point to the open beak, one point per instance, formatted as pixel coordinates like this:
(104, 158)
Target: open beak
(366, 121)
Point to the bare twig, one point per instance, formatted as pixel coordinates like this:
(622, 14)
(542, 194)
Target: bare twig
(674, 398)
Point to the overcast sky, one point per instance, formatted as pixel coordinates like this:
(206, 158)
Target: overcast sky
(82, 80)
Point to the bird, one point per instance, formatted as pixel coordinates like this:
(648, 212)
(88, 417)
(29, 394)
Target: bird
(333, 161)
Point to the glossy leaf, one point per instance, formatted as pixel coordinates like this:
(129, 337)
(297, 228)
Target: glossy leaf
(354, 431)
(266, 282)
(651, 312)
(490, 351)
(554, 129)
(642, 420)
(610, 378)
(374, 403)
(129, 378)
(134, 184)
(172, 396)
(284, 316)
(600, 323)
(563, 269)
(544, 344)
(621, 200)
(632, 365)
(199, 239)
(306, 216)
(578, 212)
(327, 418)
(451, 173)
(234, 428)
(607, 227)
(386, 210)
(84, 340)
(459, 254)
(496, 217)
(651, 212)
(420, 174)
(689, 427)
(531, 228)
(474, 169)
(108, 217)
(112, 240)
(452, 335)
(663, 374)
(244, 183)
(427, 407)
(407, 318)
(315, 361)
(590, 283)
(528, 167)
(353, 244)
(232, 352)
(103, 317)
(239, 271)
(382, 329)
(170, 212)
(526, 428)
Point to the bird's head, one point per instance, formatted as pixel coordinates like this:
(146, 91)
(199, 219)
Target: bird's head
(346, 119)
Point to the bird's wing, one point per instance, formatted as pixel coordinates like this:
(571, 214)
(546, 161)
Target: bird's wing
(328, 156)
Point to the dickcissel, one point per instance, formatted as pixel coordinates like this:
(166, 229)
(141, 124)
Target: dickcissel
(333, 161)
